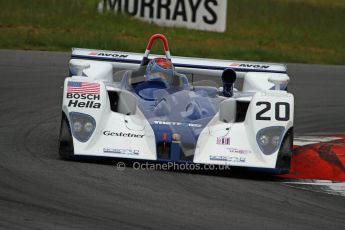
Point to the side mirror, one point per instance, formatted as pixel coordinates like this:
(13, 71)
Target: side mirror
(77, 66)
(278, 80)
(227, 110)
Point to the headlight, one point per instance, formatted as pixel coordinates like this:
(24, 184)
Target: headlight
(77, 126)
(82, 125)
(275, 140)
(269, 139)
(88, 127)
(264, 140)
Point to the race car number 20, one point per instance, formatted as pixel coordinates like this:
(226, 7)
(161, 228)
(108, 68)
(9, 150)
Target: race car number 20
(278, 107)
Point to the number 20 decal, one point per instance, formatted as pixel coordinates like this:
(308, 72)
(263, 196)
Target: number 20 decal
(267, 107)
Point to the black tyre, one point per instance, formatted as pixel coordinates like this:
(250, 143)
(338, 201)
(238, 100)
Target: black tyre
(285, 152)
(66, 149)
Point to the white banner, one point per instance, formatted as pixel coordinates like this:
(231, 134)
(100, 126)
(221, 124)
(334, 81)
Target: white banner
(207, 15)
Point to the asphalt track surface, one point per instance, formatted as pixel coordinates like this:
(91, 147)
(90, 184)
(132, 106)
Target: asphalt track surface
(40, 191)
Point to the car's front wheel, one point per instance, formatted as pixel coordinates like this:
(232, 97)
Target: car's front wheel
(285, 152)
(66, 149)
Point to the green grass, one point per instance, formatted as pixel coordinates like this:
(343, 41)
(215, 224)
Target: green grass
(304, 31)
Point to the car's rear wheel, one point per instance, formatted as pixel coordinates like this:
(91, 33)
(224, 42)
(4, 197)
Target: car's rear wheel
(66, 149)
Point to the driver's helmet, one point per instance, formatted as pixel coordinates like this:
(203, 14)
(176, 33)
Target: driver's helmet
(160, 69)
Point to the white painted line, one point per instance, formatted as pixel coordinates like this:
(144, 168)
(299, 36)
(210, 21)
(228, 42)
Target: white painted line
(307, 140)
(325, 186)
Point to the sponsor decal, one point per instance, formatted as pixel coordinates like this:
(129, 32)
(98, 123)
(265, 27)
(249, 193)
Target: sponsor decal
(175, 123)
(253, 66)
(121, 151)
(121, 134)
(83, 95)
(239, 151)
(104, 54)
(83, 87)
(83, 104)
(83, 100)
(223, 140)
(194, 14)
(228, 159)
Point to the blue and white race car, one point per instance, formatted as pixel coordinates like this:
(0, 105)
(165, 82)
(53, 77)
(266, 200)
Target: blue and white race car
(148, 107)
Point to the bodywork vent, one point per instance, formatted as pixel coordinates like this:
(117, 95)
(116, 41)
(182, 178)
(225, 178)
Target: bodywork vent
(241, 111)
(114, 100)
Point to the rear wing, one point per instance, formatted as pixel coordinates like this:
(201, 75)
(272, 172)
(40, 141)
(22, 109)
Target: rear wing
(187, 65)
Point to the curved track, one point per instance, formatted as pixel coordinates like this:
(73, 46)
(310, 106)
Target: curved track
(40, 191)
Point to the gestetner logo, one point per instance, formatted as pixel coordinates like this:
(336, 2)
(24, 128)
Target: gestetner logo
(193, 14)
